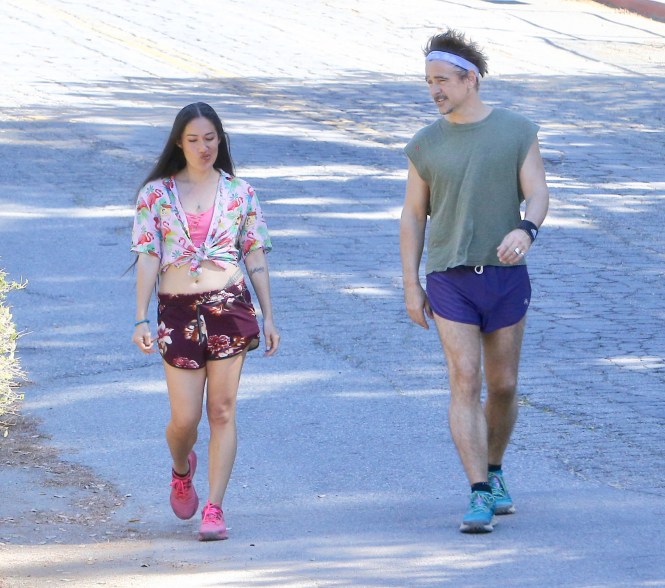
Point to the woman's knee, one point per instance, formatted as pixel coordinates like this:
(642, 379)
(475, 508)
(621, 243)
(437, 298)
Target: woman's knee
(184, 423)
(221, 412)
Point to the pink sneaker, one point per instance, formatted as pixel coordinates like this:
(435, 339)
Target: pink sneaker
(213, 527)
(184, 500)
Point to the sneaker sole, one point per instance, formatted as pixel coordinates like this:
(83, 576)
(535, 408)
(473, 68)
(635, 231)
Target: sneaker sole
(504, 510)
(213, 536)
(478, 527)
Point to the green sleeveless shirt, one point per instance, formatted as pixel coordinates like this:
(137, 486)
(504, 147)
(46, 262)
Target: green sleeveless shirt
(472, 171)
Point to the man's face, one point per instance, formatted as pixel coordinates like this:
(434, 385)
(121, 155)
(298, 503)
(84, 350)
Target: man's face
(448, 88)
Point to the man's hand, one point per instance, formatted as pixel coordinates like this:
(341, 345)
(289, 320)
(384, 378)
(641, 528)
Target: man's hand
(513, 247)
(417, 305)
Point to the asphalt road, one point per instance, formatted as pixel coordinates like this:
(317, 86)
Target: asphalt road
(346, 474)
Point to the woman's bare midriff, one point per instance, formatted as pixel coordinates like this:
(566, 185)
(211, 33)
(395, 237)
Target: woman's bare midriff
(177, 280)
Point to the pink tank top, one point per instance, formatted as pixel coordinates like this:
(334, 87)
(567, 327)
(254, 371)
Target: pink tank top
(199, 225)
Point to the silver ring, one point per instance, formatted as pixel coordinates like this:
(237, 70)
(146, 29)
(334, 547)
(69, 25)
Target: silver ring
(517, 250)
(521, 253)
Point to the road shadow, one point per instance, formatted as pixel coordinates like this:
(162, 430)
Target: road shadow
(354, 406)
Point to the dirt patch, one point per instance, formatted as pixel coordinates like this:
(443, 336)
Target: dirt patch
(47, 499)
(57, 522)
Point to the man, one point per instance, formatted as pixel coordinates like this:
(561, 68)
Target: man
(469, 171)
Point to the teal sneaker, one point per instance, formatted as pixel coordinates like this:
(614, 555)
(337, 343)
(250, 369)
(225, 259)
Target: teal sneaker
(479, 518)
(503, 501)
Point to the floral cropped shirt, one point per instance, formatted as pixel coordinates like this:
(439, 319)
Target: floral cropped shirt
(237, 227)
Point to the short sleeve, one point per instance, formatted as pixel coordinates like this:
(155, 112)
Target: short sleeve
(415, 150)
(146, 233)
(254, 231)
(529, 134)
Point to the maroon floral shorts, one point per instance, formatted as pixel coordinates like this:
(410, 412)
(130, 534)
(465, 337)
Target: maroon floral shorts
(195, 328)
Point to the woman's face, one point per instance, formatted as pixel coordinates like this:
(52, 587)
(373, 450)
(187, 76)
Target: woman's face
(200, 143)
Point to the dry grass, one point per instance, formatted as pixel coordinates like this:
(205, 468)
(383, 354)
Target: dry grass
(10, 370)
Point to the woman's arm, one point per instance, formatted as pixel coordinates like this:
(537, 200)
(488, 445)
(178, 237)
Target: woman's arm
(147, 270)
(257, 269)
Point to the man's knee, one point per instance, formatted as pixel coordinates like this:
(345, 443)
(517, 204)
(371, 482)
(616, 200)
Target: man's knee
(503, 389)
(465, 375)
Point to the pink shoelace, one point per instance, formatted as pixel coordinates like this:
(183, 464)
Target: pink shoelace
(182, 486)
(212, 513)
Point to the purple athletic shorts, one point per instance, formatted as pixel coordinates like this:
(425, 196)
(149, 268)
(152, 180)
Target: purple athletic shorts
(195, 328)
(496, 298)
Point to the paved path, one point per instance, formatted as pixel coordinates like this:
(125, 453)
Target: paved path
(346, 474)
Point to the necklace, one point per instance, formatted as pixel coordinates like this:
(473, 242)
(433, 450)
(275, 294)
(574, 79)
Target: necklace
(192, 192)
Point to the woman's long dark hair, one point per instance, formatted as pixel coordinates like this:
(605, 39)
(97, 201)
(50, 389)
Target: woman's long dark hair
(172, 159)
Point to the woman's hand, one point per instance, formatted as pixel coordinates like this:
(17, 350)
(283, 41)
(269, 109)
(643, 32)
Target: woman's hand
(257, 269)
(147, 269)
(143, 339)
(271, 336)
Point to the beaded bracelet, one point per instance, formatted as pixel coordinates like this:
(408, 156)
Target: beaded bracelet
(137, 323)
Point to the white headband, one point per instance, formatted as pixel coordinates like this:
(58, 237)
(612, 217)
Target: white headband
(451, 58)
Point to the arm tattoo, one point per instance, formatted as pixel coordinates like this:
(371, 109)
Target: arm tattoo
(256, 270)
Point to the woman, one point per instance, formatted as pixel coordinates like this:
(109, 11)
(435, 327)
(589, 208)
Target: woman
(194, 222)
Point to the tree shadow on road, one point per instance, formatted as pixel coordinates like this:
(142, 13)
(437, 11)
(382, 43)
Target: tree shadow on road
(355, 381)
